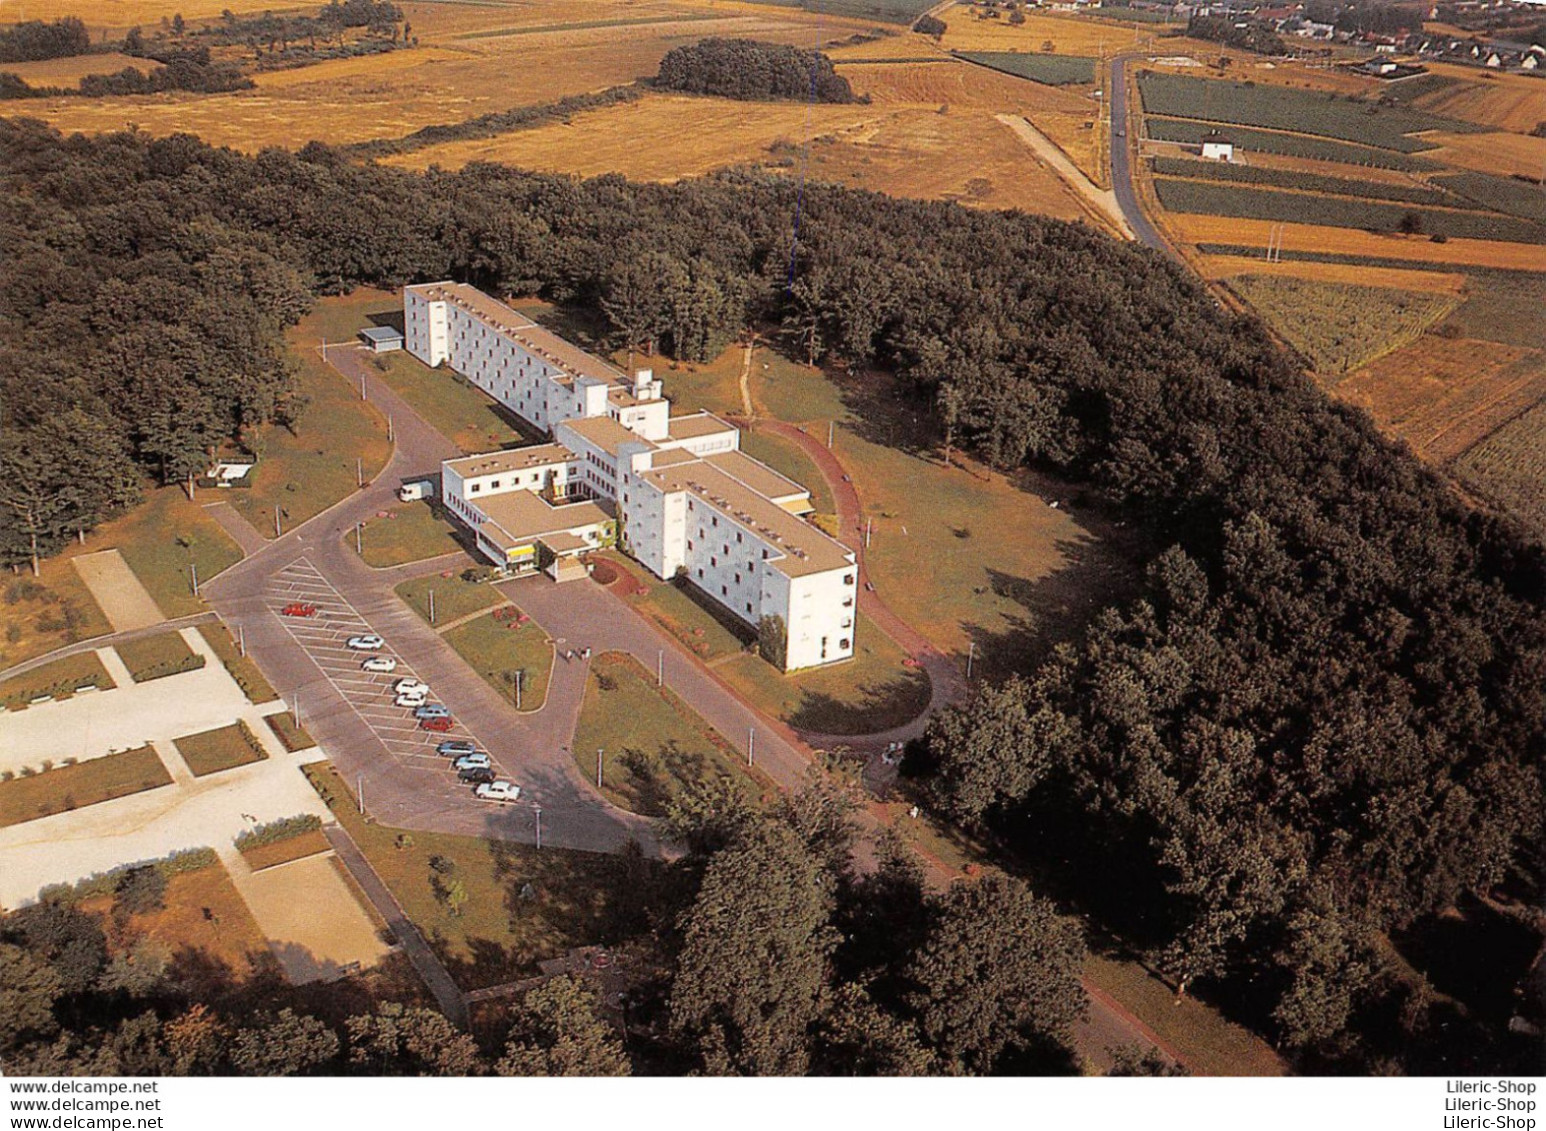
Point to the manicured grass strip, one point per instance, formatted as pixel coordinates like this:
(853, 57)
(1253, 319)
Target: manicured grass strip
(497, 646)
(85, 783)
(166, 539)
(870, 693)
(1287, 145)
(154, 657)
(654, 745)
(523, 905)
(296, 847)
(224, 748)
(59, 679)
(242, 669)
(454, 406)
(294, 737)
(1365, 215)
(408, 532)
(454, 597)
(1505, 194)
(1054, 70)
(1305, 182)
(1277, 108)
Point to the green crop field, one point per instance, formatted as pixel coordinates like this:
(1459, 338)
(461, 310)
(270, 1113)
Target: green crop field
(1279, 108)
(886, 11)
(1054, 70)
(1341, 326)
(1504, 194)
(1339, 212)
(1503, 306)
(1510, 466)
(1289, 145)
(1305, 182)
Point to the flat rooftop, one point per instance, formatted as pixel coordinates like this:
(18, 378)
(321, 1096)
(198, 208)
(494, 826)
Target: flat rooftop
(758, 476)
(511, 459)
(606, 433)
(693, 425)
(519, 518)
(806, 549)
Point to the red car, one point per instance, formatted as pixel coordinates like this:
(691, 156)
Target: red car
(436, 724)
(300, 609)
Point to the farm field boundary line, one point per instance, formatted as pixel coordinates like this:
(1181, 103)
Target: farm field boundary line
(589, 25)
(1254, 253)
(1318, 183)
(1286, 143)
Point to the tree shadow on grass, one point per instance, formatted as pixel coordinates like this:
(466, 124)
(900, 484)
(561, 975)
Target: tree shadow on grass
(875, 707)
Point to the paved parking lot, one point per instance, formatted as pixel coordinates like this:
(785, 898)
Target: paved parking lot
(324, 638)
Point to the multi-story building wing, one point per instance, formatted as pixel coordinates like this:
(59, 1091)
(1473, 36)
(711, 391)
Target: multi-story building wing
(676, 491)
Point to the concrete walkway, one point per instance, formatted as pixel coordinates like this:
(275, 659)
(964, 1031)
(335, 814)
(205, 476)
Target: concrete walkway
(1102, 200)
(125, 602)
(247, 536)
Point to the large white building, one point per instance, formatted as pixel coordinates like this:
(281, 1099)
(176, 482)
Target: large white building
(676, 492)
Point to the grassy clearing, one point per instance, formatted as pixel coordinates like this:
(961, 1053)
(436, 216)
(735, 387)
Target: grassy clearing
(712, 385)
(1368, 215)
(242, 669)
(454, 406)
(454, 598)
(1054, 70)
(201, 911)
(165, 540)
(798, 394)
(706, 632)
(1272, 107)
(1288, 145)
(60, 679)
(85, 783)
(293, 737)
(870, 693)
(308, 470)
(1341, 326)
(576, 898)
(655, 746)
(153, 657)
(1304, 182)
(223, 748)
(497, 649)
(39, 614)
(409, 532)
(297, 847)
(787, 459)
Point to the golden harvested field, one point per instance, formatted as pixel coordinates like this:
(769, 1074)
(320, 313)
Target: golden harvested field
(1194, 228)
(1507, 102)
(1501, 153)
(1433, 282)
(1443, 395)
(661, 137)
(70, 71)
(120, 15)
(1069, 35)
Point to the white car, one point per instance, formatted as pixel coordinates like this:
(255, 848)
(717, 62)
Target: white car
(411, 699)
(410, 686)
(497, 791)
(379, 664)
(366, 643)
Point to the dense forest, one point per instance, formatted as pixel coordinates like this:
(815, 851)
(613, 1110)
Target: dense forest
(752, 71)
(767, 955)
(34, 40)
(1249, 35)
(1320, 723)
(180, 70)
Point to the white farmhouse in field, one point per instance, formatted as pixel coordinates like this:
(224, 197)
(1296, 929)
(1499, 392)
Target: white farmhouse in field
(676, 492)
(1217, 147)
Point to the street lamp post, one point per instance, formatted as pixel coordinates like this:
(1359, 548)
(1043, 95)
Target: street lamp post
(538, 810)
(971, 653)
(598, 766)
(751, 743)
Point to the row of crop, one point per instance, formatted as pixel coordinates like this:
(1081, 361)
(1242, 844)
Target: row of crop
(1510, 466)
(1279, 108)
(1289, 145)
(1504, 194)
(106, 883)
(1054, 70)
(1304, 182)
(282, 829)
(1340, 212)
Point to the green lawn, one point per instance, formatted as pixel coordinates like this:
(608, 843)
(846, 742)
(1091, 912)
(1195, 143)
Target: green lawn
(574, 898)
(242, 669)
(703, 630)
(39, 614)
(712, 385)
(454, 598)
(653, 744)
(294, 737)
(60, 679)
(871, 692)
(308, 470)
(497, 649)
(470, 418)
(411, 532)
(85, 783)
(223, 748)
(152, 657)
(165, 540)
(784, 457)
(796, 393)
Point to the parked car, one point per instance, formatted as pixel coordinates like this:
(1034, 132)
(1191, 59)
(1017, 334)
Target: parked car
(379, 664)
(436, 724)
(368, 643)
(473, 762)
(432, 711)
(410, 699)
(410, 686)
(476, 775)
(299, 609)
(455, 748)
(497, 791)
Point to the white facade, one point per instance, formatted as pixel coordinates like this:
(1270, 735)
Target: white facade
(686, 501)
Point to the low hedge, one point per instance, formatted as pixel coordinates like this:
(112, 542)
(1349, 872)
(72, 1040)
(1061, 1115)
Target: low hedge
(106, 883)
(282, 829)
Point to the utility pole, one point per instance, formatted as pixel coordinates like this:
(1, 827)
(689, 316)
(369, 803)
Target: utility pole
(751, 742)
(324, 351)
(390, 435)
(295, 710)
(971, 654)
(193, 568)
(431, 606)
(598, 767)
(538, 809)
(277, 531)
(869, 524)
